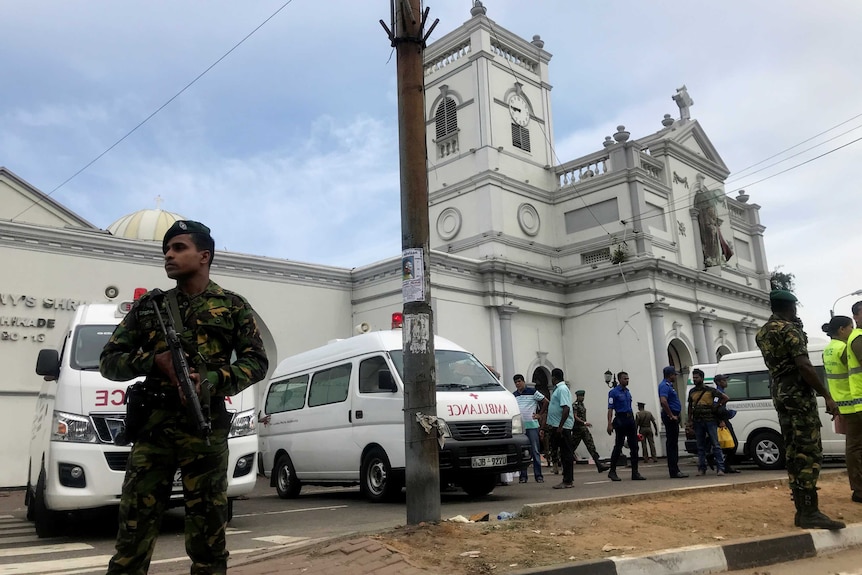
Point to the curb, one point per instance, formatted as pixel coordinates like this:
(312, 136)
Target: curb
(701, 559)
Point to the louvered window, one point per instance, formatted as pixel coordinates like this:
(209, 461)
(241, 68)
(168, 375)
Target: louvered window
(446, 118)
(521, 137)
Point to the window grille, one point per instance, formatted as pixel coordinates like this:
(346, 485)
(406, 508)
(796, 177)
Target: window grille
(596, 256)
(521, 137)
(446, 118)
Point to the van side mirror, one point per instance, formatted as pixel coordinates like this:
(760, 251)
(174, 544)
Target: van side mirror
(48, 364)
(385, 381)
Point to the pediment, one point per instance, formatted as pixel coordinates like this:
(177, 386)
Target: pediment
(693, 137)
(21, 202)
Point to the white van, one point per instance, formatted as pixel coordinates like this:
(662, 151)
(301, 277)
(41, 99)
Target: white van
(334, 416)
(756, 422)
(74, 463)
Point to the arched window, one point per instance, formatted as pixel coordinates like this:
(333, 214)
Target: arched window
(446, 118)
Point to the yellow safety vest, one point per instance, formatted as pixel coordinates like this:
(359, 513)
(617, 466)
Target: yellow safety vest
(837, 375)
(854, 368)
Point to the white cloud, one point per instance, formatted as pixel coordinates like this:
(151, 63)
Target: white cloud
(289, 146)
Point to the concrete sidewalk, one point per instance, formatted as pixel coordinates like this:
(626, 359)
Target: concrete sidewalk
(367, 556)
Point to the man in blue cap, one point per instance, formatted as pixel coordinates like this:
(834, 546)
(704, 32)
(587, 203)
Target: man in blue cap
(671, 407)
(795, 385)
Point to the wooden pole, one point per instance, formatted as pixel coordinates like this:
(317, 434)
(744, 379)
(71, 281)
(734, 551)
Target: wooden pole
(420, 397)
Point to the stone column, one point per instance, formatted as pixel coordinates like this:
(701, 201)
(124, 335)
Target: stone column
(695, 236)
(656, 313)
(505, 313)
(741, 337)
(710, 339)
(751, 331)
(699, 338)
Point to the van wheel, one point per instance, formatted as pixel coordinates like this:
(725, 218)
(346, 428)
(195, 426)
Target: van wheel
(378, 482)
(767, 449)
(48, 523)
(479, 485)
(286, 483)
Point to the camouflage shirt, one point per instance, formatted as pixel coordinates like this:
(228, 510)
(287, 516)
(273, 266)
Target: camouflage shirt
(580, 413)
(781, 341)
(216, 323)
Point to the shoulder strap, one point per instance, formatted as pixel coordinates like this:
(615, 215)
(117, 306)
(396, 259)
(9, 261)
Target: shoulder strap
(174, 310)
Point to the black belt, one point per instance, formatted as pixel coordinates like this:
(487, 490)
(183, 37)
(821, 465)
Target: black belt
(626, 414)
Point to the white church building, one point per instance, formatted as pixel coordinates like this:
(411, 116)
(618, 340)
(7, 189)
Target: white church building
(628, 258)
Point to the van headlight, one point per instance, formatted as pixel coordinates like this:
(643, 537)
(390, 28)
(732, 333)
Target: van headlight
(444, 427)
(517, 425)
(73, 428)
(244, 423)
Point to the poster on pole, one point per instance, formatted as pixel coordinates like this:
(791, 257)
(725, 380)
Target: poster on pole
(412, 275)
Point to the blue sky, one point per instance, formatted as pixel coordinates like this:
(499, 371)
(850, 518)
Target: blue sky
(288, 147)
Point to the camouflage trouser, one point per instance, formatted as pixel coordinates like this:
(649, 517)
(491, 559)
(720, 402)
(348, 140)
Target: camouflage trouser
(800, 429)
(146, 492)
(583, 434)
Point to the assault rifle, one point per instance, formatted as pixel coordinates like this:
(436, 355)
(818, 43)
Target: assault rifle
(181, 367)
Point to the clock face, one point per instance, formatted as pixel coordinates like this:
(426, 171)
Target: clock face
(518, 110)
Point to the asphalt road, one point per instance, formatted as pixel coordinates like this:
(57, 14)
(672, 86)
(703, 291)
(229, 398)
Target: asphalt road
(263, 520)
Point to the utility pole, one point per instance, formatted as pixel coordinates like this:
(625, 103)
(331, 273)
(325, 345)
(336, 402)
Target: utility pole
(420, 397)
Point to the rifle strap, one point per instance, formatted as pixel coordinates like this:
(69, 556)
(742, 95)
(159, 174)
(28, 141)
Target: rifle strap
(197, 359)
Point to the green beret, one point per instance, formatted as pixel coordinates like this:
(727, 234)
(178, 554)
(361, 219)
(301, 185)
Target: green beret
(181, 227)
(782, 295)
(580, 392)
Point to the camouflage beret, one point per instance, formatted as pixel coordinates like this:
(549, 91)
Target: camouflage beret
(184, 227)
(580, 392)
(782, 295)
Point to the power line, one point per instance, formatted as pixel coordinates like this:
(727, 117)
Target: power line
(727, 194)
(737, 175)
(159, 109)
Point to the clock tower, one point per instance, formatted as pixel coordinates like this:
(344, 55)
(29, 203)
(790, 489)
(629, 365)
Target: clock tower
(488, 113)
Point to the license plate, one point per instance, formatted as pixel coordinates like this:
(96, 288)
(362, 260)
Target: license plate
(489, 461)
(178, 480)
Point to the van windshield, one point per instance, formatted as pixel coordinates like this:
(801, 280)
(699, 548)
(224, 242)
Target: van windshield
(87, 344)
(456, 371)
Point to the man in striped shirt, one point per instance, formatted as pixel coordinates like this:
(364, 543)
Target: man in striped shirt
(531, 403)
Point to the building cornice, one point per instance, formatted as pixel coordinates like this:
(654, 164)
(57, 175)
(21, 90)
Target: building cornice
(99, 244)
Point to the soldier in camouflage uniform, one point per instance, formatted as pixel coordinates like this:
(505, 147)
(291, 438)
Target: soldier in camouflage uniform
(214, 323)
(794, 382)
(581, 430)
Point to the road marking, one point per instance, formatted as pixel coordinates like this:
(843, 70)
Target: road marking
(40, 549)
(13, 524)
(7, 517)
(18, 531)
(21, 539)
(597, 482)
(58, 565)
(280, 539)
(293, 511)
(235, 532)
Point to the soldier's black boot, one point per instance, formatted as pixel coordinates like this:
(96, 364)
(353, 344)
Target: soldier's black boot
(797, 502)
(613, 474)
(810, 516)
(599, 466)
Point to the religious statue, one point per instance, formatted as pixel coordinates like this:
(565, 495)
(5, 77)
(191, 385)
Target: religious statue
(707, 202)
(684, 101)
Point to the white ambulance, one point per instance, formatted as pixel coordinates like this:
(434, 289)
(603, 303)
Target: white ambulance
(756, 421)
(334, 416)
(74, 463)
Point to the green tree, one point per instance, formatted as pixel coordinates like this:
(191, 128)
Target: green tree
(782, 280)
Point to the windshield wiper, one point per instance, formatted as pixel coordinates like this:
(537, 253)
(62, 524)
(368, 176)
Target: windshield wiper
(487, 385)
(452, 386)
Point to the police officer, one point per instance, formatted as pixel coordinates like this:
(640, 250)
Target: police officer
(581, 430)
(213, 324)
(623, 423)
(784, 346)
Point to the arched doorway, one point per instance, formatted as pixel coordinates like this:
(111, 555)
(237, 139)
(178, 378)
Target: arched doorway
(541, 381)
(679, 356)
(721, 352)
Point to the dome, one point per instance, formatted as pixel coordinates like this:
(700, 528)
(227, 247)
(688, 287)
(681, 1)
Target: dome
(149, 225)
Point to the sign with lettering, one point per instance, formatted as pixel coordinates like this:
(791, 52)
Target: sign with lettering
(20, 327)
